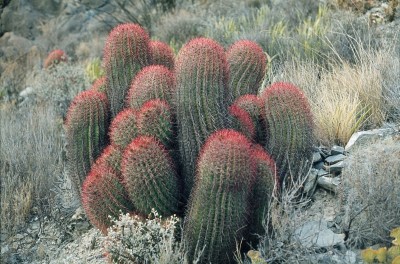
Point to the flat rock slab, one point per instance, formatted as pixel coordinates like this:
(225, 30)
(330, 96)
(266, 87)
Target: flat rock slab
(363, 138)
(337, 150)
(337, 167)
(335, 159)
(316, 157)
(328, 183)
(316, 234)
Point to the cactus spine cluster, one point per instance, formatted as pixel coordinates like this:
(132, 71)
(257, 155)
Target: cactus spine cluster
(126, 52)
(172, 143)
(219, 203)
(202, 99)
(86, 132)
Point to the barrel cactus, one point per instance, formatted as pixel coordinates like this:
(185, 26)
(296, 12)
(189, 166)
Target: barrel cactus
(219, 204)
(153, 82)
(290, 129)
(123, 128)
(99, 85)
(126, 52)
(253, 105)
(242, 121)
(162, 54)
(247, 64)
(150, 177)
(55, 57)
(155, 119)
(265, 187)
(86, 133)
(202, 99)
(103, 195)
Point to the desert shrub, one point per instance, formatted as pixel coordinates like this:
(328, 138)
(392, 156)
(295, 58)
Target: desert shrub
(370, 195)
(30, 161)
(60, 84)
(153, 240)
(178, 27)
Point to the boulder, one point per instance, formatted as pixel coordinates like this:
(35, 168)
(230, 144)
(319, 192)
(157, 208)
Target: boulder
(364, 138)
(316, 234)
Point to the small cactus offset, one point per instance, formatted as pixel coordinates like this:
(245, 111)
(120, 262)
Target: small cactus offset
(242, 121)
(202, 99)
(266, 184)
(253, 105)
(153, 82)
(219, 203)
(247, 64)
(150, 177)
(290, 129)
(155, 119)
(123, 128)
(86, 133)
(162, 54)
(54, 58)
(126, 52)
(103, 195)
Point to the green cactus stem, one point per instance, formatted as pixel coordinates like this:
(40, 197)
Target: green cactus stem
(202, 99)
(290, 130)
(86, 133)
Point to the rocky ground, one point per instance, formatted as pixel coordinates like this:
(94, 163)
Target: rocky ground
(30, 29)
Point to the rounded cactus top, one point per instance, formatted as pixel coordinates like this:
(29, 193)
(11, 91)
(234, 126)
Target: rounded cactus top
(82, 101)
(54, 58)
(246, 49)
(202, 53)
(162, 54)
(100, 84)
(152, 82)
(286, 95)
(123, 128)
(227, 147)
(243, 117)
(128, 38)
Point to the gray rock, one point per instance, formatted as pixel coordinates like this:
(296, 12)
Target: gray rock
(311, 182)
(328, 183)
(364, 138)
(316, 234)
(322, 172)
(335, 158)
(334, 168)
(337, 150)
(318, 165)
(316, 157)
(4, 249)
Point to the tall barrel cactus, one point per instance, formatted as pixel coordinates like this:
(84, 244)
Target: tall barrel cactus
(202, 99)
(153, 82)
(247, 64)
(149, 176)
(126, 52)
(219, 204)
(290, 129)
(162, 54)
(104, 195)
(86, 133)
(242, 121)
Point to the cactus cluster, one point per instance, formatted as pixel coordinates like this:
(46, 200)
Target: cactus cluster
(188, 136)
(54, 58)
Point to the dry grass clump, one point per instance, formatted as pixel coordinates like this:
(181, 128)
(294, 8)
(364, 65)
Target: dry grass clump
(30, 161)
(370, 193)
(348, 97)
